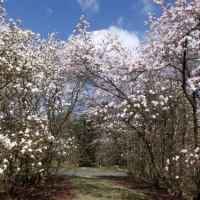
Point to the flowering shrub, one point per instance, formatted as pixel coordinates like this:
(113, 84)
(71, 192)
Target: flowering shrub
(36, 100)
(187, 164)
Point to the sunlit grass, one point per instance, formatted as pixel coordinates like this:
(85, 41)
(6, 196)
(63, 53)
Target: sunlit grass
(92, 169)
(99, 188)
(101, 169)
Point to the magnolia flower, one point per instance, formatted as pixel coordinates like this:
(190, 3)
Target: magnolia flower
(154, 116)
(166, 168)
(39, 150)
(35, 90)
(176, 158)
(196, 150)
(27, 130)
(41, 170)
(184, 151)
(151, 92)
(23, 150)
(168, 162)
(155, 103)
(5, 160)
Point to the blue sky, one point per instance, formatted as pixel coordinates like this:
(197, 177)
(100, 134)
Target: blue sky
(126, 17)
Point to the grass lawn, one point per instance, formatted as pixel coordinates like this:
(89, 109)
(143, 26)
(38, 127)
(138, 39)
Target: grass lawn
(99, 188)
(91, 169)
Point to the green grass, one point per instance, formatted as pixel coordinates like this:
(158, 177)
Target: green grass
(91, 169)
(99, 188)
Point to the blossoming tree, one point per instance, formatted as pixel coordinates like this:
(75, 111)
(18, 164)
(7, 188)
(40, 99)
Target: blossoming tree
(37, 98)
(153, 98)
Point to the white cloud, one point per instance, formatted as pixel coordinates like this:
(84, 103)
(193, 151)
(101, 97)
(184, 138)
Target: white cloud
(120, 20)
(89, 5)
(129, 38)
(147, 6)
(49, 10)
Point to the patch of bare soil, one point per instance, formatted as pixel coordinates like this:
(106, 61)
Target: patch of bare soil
(154, 193)
(53, 189)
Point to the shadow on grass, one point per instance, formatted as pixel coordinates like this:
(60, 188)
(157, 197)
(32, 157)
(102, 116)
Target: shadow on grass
(98, 187)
